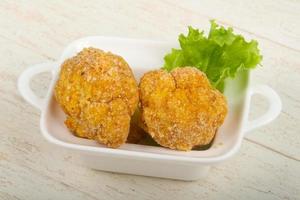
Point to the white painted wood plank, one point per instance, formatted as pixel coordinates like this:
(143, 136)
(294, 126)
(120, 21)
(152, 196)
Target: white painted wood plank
(267, 167)
(274, 20)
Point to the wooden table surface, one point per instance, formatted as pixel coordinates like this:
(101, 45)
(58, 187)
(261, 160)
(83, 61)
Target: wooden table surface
(268, 163)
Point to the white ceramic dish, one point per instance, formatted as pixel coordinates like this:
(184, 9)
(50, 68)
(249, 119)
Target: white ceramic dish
(144, 55)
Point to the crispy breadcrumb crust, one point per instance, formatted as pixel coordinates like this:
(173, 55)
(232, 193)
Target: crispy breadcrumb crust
(99, 94)
(181, 109)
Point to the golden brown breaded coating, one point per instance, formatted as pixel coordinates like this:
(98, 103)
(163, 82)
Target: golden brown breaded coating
(99, 94)
(181, 109)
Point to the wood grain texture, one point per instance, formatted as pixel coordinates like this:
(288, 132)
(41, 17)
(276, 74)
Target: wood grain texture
(266, 167)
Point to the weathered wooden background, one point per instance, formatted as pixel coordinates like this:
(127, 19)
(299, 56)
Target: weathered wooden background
(268, 163)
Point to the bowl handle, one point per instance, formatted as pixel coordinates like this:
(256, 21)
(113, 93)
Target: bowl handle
(24, 83)
(273, 110)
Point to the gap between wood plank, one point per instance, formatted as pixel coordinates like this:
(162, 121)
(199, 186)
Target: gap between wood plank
(241, 29)
(26, 47)
(273, 150)
(260, 36)
(42, 174)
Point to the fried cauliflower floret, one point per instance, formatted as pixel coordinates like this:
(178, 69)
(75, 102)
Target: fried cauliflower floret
(181, 109)
(99, 94)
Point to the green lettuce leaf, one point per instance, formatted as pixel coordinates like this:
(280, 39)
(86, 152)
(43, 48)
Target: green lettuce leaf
(220, 55)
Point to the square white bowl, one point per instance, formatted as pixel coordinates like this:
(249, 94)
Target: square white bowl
(142, 56)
